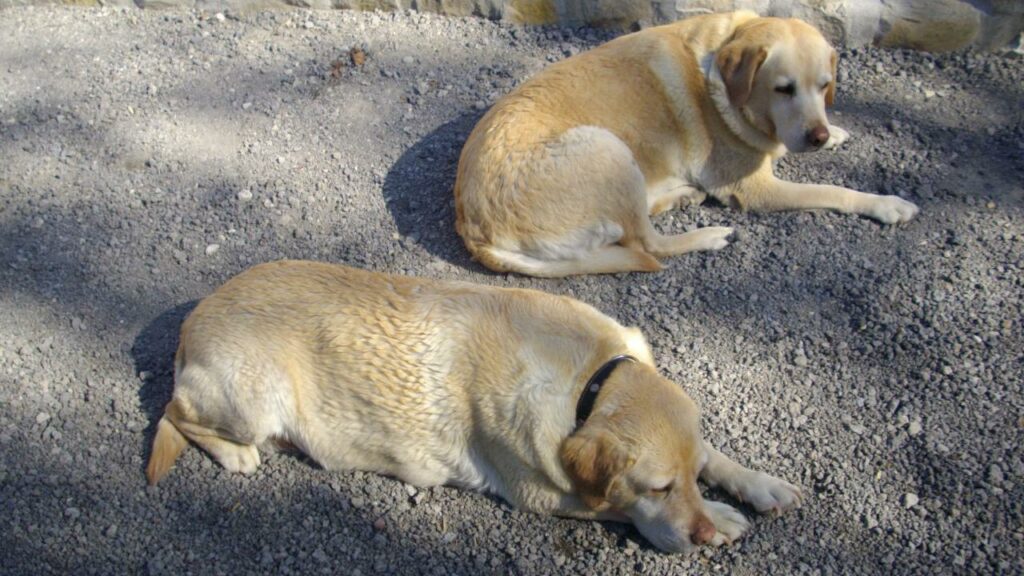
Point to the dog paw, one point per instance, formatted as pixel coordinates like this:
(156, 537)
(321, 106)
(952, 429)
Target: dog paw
(770, 494)
(893, 210)
(729, 523)
(713, 237)
(693, 197)
(243, 458)
(836, 137)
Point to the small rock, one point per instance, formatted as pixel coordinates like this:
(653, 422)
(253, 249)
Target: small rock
(245, 195)
(915, 428)
(929, 93)
(995, 475)
(42, 418)
(111, 531)
(357, 502)
(219, 16)
(910, 500)
(212, 249)
(72, 513)
(408, 60)
(379, 524)
(77, 323)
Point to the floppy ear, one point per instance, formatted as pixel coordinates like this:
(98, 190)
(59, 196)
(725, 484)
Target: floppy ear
(594, 461)
(830, 91)
(738, 63)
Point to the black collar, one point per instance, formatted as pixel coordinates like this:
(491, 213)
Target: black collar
(585, 405)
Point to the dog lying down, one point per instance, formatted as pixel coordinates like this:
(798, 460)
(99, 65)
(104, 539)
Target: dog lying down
(560, 176)
(538, 398)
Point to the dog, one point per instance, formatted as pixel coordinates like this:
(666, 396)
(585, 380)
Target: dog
(561, 176)
(537, 398)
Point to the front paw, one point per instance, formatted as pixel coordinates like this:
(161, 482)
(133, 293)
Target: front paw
(836, 136)
(892, 210)
(768, 493)
(729, 523)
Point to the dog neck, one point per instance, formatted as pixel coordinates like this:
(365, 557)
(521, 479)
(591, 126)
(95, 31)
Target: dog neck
(737, 119)
(585, 404)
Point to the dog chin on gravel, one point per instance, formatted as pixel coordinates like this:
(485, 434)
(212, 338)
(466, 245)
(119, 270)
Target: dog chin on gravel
(561, 176)
(537, 398)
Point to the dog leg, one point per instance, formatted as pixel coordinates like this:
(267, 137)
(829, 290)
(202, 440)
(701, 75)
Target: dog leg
(783, 195)
(670, 193)
(729, 522)
(609, 259)
(836, 137)
(234, 456)
(708, 238)
(762, 491)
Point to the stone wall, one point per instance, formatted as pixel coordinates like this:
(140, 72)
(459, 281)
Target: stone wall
(933, 25)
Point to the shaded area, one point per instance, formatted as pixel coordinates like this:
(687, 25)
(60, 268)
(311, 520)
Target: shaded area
(418, 191)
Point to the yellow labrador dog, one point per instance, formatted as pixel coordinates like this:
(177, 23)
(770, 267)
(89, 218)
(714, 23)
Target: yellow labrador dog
(538, 398)
(561, 175)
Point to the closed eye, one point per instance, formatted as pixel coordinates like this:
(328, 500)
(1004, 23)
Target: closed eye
(823, 86)
(787, 89)
(663, 490)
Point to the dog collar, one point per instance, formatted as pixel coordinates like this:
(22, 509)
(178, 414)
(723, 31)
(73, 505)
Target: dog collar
(585, 405)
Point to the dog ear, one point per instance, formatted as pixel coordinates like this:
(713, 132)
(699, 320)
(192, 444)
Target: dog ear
(830, 91)
(738, 63)
(594, 461)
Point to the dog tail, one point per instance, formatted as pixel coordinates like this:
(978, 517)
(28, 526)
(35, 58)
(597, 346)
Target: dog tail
(168, 444)
(608, 259)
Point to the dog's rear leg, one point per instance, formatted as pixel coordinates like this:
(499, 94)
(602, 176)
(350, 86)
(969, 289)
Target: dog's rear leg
(608, 259)
(709, 238)
(233, 455)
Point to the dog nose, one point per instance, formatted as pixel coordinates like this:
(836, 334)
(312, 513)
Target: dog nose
(702, 530)
(817, 136)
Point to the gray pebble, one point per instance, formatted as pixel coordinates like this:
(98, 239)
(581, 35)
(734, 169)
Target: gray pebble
(910, 500)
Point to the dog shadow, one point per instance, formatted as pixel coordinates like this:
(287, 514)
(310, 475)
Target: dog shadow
(153, 354)
(419, 192)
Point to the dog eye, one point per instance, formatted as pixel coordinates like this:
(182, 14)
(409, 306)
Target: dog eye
(787, 89)
(663, 490)
(823, 86)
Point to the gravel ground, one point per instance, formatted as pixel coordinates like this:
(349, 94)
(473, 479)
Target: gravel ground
(146, 157)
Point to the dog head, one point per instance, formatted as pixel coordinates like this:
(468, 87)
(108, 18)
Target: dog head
(639, 455)
(781, 74)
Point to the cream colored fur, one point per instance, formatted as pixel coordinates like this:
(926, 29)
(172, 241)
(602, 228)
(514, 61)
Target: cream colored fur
(449, 383)
(560, 176)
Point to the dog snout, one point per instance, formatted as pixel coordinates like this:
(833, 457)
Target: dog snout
(702, 530)
(817, 136)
